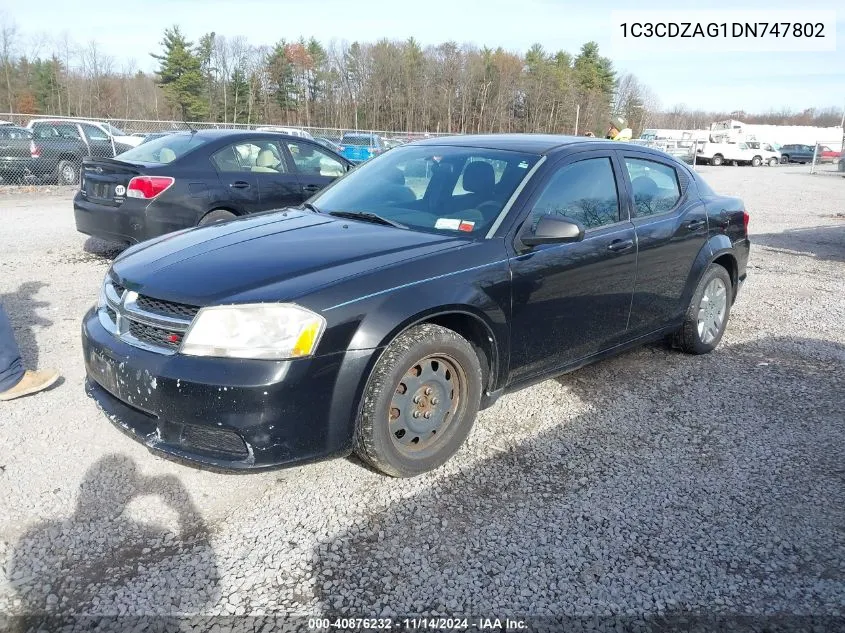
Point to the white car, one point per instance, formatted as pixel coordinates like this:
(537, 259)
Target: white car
(106, 129)
(731, 153)
(285, 130)
(770, 155)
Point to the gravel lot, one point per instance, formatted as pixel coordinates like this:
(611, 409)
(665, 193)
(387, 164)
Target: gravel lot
(655, 485)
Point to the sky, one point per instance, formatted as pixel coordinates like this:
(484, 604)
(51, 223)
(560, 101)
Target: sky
(712, 80)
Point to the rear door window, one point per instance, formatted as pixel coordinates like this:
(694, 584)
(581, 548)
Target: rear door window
(655, 186)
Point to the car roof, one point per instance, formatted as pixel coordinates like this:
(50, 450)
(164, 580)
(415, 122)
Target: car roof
(531, 143)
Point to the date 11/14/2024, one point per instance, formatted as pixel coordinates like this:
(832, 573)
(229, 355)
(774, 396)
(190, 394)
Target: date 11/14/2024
(417, 624)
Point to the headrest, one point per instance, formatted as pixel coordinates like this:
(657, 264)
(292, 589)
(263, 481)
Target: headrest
(166, 155)
(266, 159)
(479, 177)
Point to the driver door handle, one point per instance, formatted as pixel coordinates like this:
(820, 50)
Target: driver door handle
(620, 246)
(239, 184)
(694, 225)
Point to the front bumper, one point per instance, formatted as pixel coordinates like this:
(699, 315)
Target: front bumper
(229, 414)
(130, 223)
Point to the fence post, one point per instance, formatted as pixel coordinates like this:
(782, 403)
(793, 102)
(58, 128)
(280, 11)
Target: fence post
(815, 154)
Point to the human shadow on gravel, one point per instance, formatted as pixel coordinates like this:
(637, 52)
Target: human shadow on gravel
(690, 487)
(820, 242)
(22, 309)
(94, 566)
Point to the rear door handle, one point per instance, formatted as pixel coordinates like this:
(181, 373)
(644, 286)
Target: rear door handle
(239, 184)
(694, 225)
(311, 188)
(619, 246)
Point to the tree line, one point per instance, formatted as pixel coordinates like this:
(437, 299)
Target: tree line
(382, 85)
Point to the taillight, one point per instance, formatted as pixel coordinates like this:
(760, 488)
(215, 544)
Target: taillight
(745, 219)
(34, 150)
(148, 187)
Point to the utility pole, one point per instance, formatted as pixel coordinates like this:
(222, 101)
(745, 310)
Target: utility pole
(577, 116)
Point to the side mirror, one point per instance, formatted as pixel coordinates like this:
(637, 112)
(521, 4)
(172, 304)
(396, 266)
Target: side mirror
(553, 230)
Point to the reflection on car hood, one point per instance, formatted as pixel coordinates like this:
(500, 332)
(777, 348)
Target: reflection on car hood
(270, 257)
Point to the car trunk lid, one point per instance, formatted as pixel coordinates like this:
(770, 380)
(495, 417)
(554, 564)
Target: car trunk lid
(105, 180)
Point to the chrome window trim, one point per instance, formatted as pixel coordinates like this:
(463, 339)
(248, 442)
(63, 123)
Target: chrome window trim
(512, 200)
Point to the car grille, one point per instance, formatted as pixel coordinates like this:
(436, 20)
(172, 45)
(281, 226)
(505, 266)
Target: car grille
(155, 336)
(167, 308)
(215, 441)
(146, 322)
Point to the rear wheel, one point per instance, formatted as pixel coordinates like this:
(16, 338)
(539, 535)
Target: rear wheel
(708, 312)
(756, 161)
(716, 160)
(67, 173)
(218, 215)
(420, 402)
(784, 159)
(773, 162)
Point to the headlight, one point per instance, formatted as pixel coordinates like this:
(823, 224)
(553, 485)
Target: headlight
(262, 330)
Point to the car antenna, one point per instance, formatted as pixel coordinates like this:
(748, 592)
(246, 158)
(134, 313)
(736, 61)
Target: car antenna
(190, 127)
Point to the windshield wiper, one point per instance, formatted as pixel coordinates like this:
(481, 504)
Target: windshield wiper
(367, 217)
(310, 207)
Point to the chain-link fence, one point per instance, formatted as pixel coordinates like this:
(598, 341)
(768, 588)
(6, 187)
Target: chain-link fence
(828, 158)
(37, 149)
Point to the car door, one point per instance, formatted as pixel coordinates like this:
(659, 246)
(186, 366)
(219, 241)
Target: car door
(671, 227)
(277, 182)
(315, 167)
(238, 183)
(570, 301)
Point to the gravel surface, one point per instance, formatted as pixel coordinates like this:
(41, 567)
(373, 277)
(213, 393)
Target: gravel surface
(650, 487)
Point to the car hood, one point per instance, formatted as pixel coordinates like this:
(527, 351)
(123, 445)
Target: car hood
(267, 257)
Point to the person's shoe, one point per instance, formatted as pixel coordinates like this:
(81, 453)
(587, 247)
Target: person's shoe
(32, 382)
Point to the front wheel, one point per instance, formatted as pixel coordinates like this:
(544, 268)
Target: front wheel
(708, 312)
(756, 161)
(773, 162)
(420, 402)
(716, 160)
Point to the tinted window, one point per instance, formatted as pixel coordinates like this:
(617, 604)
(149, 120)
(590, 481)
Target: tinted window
(254, 156)
(584, 191)
(165, 149)
(94, 133)
(60, 130)
(313, 161)
(415, 185)
(9, 132)
(655, 186)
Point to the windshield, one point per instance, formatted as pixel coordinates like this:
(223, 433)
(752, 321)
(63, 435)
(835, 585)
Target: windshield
(163, 150)
(451, 190)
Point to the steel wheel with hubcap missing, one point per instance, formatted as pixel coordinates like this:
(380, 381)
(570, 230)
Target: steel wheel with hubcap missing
(708, 312)
(420, 401)
(425, 402)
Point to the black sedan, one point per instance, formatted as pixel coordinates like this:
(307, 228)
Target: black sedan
(384, 313)
(187, 179)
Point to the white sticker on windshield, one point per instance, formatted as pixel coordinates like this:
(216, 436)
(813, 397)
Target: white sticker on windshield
(523, 165)
(447, 223)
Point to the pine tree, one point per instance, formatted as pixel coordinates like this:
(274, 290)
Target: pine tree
(181, 75)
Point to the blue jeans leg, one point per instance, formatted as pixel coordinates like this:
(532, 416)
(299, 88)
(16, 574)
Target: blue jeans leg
(11, 365)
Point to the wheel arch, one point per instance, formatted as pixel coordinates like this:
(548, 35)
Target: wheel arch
(717, 250)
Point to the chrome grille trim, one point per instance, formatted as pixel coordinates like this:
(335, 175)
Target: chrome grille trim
(125, 308)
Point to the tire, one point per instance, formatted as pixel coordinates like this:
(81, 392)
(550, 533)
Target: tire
(695, 337)
(415, 375)
(67, 173)
(773, 162)
(218, 215)
(756, 161)
(716, 160)
(784, 160)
